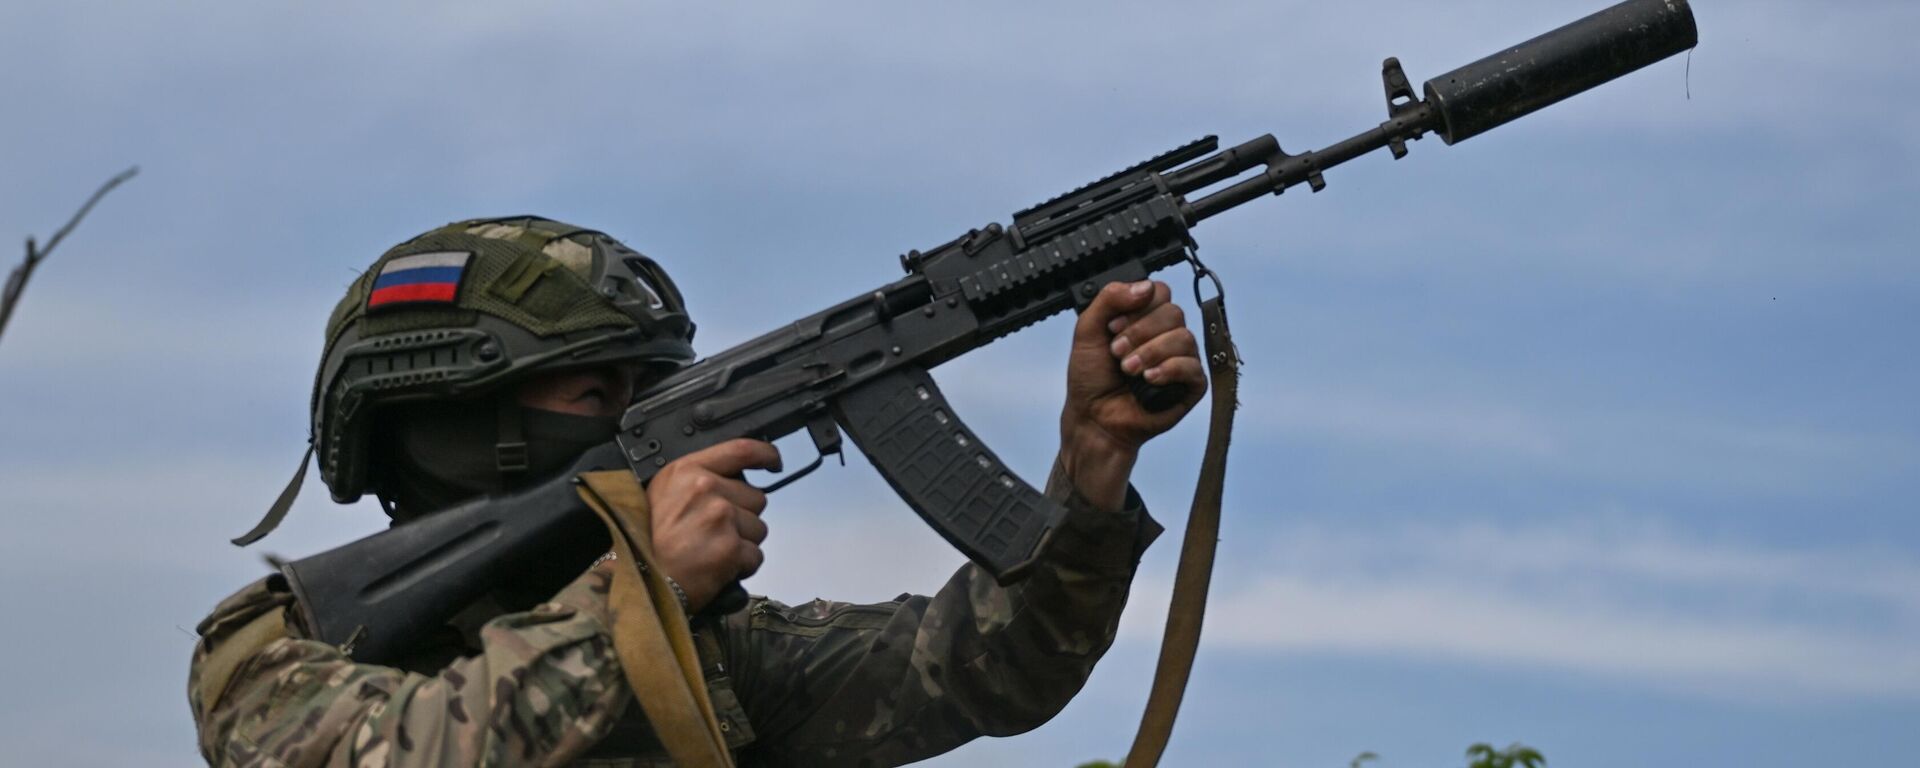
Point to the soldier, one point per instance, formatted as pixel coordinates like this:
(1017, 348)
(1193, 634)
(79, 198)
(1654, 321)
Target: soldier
(565, 325)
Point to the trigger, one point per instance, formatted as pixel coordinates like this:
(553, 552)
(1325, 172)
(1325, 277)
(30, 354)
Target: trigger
(826, 436)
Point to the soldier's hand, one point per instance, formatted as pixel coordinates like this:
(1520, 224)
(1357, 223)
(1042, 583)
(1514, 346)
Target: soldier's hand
(1130, 329)
(707, 528)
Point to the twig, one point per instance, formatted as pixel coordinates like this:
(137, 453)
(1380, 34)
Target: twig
(17, 281)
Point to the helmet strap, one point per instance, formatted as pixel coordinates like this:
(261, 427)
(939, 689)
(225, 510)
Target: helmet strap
(278, 511)
(510, 446)
(434, 455)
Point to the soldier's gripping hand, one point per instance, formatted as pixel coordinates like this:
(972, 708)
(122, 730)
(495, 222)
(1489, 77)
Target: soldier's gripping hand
(1130, 329)
(707, 528)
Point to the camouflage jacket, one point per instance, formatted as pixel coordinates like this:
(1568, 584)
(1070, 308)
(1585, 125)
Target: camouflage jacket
(821, 684)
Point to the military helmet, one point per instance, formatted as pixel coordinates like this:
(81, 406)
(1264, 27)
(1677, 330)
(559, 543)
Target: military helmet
(476, 304)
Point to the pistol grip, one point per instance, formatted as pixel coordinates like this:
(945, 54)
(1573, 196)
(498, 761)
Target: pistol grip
(1154, 397)
(731, 599)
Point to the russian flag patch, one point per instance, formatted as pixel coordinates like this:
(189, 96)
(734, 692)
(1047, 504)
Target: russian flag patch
(422, 278)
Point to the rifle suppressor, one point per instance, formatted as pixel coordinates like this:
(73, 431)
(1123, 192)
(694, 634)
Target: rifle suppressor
(1495, 90)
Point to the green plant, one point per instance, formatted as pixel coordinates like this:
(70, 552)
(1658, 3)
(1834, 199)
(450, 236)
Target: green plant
(1483, 755)
(1480, 755)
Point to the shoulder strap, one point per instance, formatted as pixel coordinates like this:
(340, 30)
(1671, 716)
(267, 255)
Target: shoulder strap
(1190, 582)
(650, 632)
(226, 654)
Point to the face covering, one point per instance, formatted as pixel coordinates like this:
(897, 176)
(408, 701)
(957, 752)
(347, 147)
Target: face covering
(442, 453)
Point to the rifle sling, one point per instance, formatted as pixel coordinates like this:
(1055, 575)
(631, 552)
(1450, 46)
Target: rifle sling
(1190, 581)
(650, 632)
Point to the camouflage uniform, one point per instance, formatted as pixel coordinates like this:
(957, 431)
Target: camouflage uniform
(820, 684)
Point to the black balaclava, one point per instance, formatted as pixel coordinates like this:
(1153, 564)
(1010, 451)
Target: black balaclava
(434, 455)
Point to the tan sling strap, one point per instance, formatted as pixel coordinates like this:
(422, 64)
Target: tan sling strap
(232, 650)
(1189, 604)
(650, 631)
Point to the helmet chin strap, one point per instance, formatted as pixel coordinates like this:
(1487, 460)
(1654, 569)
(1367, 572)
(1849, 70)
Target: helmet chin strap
(278, 511)
(510, 438)
(441, 454)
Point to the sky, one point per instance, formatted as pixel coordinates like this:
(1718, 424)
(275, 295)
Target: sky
(1596, 432)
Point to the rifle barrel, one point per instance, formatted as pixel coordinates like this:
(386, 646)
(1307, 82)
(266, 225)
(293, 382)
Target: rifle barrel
(1284, 170)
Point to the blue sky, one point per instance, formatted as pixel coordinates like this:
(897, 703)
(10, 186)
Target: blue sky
(1595, 432)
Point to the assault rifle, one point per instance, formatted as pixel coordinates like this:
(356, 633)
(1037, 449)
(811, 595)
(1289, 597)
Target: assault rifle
(862, 365)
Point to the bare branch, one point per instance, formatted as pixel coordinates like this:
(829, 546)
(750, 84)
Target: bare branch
(17, 281)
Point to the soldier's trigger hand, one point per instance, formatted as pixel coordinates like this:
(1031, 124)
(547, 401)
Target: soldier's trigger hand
(707, 527)
(1130, 329)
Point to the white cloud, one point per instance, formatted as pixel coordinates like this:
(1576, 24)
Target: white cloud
(73, 328)
(1656, 648)
(1611, 550)
(1630, 605)
(167, 514)
(1569, 434)
(1446, 414)
(1358, 416)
